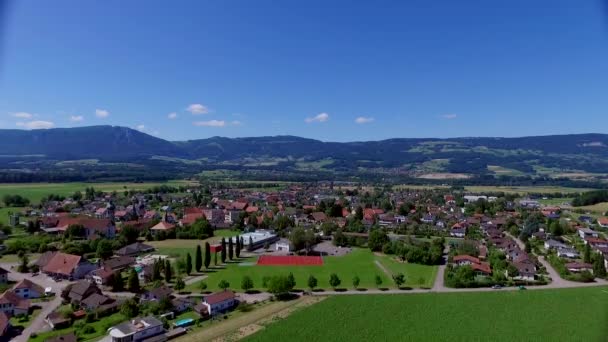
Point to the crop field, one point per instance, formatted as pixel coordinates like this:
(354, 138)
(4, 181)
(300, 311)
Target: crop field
(533, 315)
(36, 191)
(360, 262)
(599, 208)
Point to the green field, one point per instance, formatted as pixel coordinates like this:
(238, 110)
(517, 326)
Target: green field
(360, 262)
(36, 191)
(506, 189)
(539, 315)
(180, 247)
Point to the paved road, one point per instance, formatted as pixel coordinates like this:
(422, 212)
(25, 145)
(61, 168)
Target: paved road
(38, 324)
(438, 285)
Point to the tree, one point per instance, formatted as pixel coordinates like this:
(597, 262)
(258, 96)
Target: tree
(359, 213)
(133, 281)
(207, 255)
(24, 266)
(247, 283)
(198, 259)
(223, 251)
(230, 249)
(238, 247)
(117, 283)
(587, 254)
(356, 282)
(512, 270)
(377, 239)
(528, 247)
(129, 234)
(312, 282)
(334, 280)
(301, 238)
(399, 279)
(129, 308)
(179, 284)
(157, 267)
(202, 286)
(104, 249)
(599, 269)
(223, 284)
(279, 285)
(292, 280)
(168, 271)
(188, 264)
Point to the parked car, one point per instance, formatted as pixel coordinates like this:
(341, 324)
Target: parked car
(521, 287)
(497, 287)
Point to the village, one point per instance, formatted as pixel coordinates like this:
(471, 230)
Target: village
(159, 264)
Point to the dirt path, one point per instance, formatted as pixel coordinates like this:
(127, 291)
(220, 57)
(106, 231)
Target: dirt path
(239, 327)
(383, 269)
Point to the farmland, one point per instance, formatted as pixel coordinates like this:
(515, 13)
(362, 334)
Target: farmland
(522, 190)
(360, 262)
(487, 316)
(36, 191)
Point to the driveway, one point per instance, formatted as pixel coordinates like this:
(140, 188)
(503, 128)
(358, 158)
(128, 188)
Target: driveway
(41, 279)
(38, 325)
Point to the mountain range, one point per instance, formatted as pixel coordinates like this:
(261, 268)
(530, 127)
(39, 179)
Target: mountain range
(571, 156)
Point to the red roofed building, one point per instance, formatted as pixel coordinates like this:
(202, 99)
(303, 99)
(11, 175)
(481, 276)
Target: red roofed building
(93, 227)
(603, 222)
(66, 266)
(462, 260)
(482, 268)
(12, 305)
(162, 226)
(5, 324)
(596, 242)
(216, 303)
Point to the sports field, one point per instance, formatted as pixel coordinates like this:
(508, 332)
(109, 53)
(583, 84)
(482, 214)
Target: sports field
(180, 247)
(360, 262)
(535, 315)
(36, 191)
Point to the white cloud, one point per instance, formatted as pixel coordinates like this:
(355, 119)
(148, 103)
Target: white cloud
(449, 116)
(76, 118)
(197, 108)
(102, 113)
(322, 117)
(210, 123)
(141, 127)
(38, 124)
(22, 115)
(363, 120)
(236, 123)
(172, 115)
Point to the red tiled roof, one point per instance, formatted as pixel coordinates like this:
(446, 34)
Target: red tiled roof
(163, 226)
(219, 297)
(62, 263)
(28, 284)
(191, 211)
(483, 267)
(472, 259)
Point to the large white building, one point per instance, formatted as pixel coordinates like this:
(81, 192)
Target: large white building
(136, 330)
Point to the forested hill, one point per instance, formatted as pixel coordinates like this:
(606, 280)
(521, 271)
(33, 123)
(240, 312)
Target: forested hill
(581, 154)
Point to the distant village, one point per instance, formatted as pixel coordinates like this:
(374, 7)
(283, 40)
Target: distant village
(71, 262)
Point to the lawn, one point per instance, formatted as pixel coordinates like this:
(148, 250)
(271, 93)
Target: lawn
(101, 326)
(482, 316)
(599, 208)
(180, 247)
(360, 262)
(36, 191)
(25, 322)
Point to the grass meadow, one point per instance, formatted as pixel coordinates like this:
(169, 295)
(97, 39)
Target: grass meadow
(579, 314)
(360, 262)
(36, 191)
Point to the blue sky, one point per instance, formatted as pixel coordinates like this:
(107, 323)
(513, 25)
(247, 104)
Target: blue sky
(331, 70)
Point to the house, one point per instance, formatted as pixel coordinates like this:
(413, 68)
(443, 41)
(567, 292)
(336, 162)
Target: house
(553, 244)
(66, 266)
(81, 290)
(577, 267)
(585, 219)
(567, 252)
(603, 222)
(586, 232)
(119, 263)
(5, 324)
(526, 269)
(216, 303)
(27, 289)
(3, 276)
(458, 232)
(138, 329)
(462, 260)
(99, 303)
(134, 249)
(232, 216)
(12, 305)
(157, 294)
(428, 219)
(56, 320)
(144, 273)
(482, 268)
(596, 242)
(101, 276)
(93, 227)
(162, 226)
(318, 217)
(182, 304)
